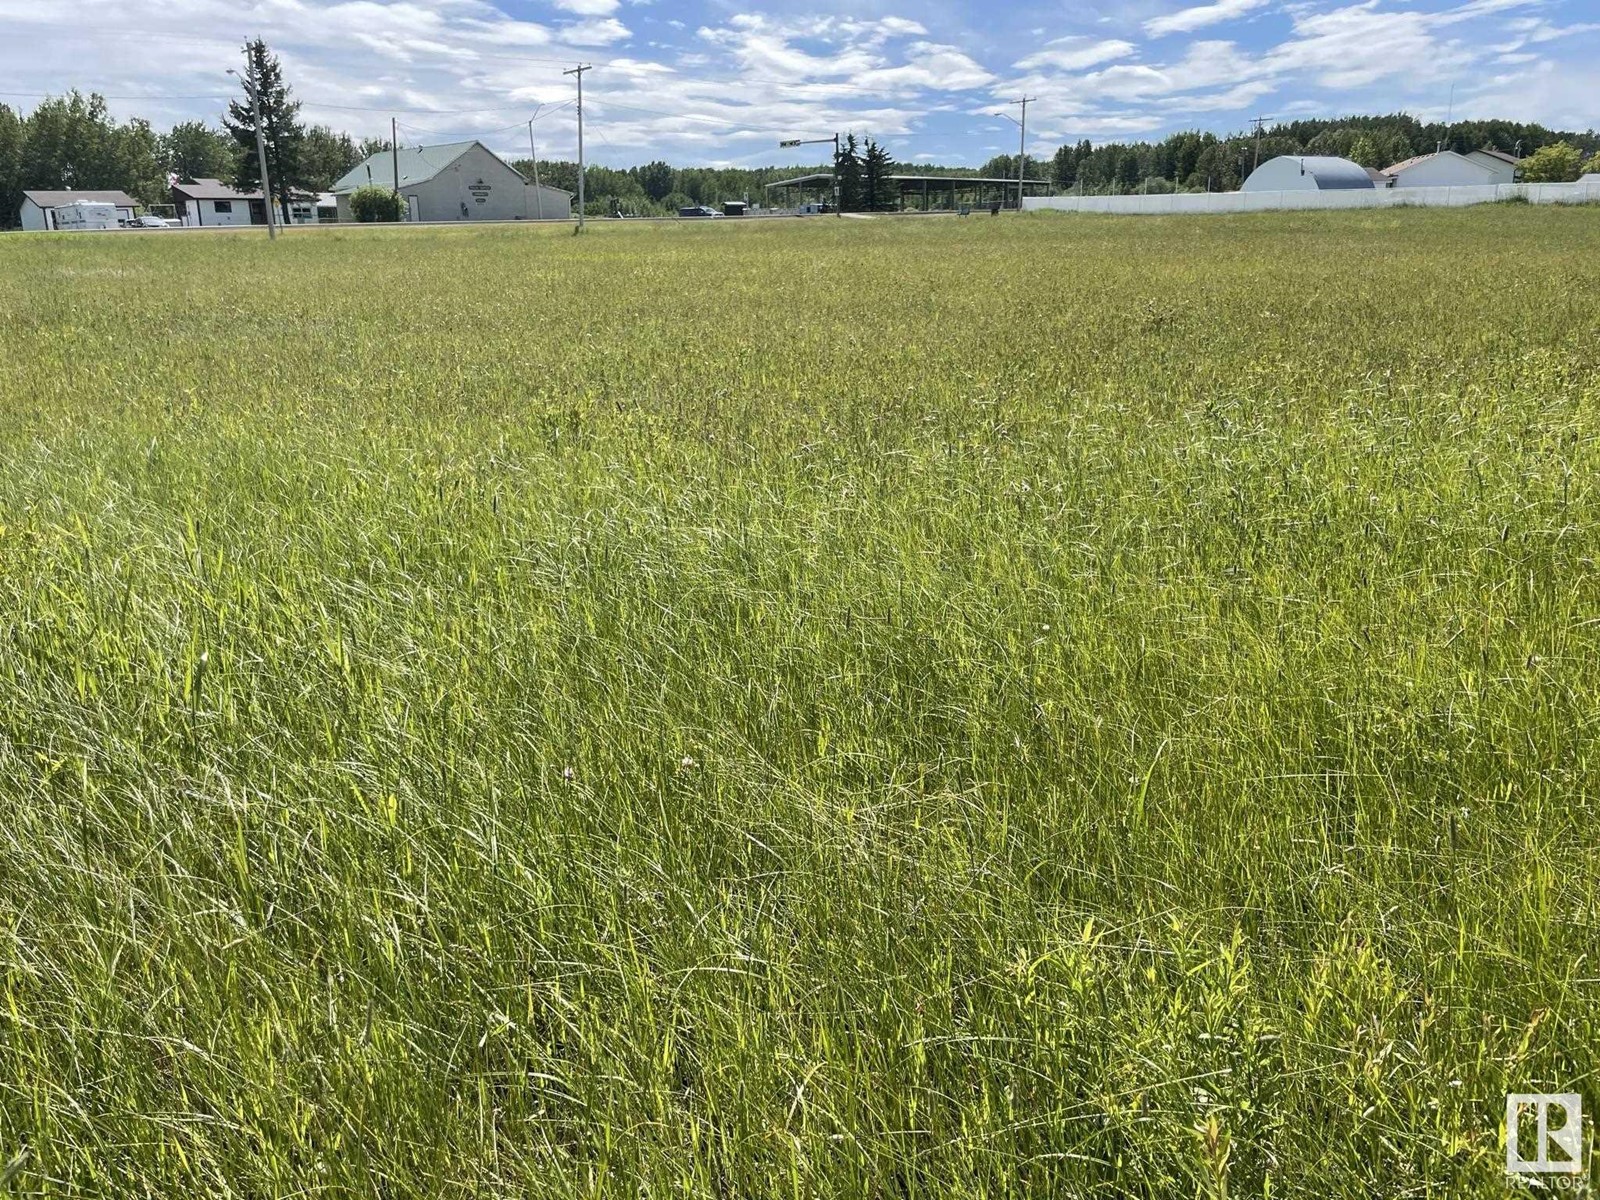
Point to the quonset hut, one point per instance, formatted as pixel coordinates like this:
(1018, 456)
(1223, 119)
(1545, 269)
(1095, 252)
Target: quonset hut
(1307, 173)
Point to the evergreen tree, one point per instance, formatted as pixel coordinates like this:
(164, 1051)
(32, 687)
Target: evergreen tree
(1064, 167)
(847, 175)
(880, 193)
(280, 127)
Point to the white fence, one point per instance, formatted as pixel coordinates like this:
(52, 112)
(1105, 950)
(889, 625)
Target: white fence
(1586, 190)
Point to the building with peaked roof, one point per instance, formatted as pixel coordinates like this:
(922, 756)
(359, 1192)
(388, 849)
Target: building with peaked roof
(457, 181)
(1444, 168)
(39, 206)
(209, 203)
(1506, 167)
(1307, 173)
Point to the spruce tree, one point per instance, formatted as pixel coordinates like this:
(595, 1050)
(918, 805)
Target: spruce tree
(879, 193)
(280, 126)
(847, 175)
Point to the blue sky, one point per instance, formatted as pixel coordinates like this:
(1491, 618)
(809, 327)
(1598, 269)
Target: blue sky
(710, 81)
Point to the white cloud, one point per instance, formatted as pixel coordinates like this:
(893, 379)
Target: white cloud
(588, 8)
(1076, 54)
(1189, 19)
(601, 31)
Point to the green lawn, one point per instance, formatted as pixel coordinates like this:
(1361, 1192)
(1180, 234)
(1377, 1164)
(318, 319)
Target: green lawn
(931, 708)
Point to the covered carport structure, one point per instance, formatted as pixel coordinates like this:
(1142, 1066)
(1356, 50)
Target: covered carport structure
(918, 193)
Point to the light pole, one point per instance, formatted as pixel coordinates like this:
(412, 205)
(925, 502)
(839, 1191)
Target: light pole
(250, 90)
(578, 71)
(538, 192)
(791, 143)
(1022, 143)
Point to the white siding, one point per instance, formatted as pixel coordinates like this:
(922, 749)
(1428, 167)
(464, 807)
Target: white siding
(1444, 170)
(1502, 171)
(204, 213)
(1586, 190)
(34, 217)
(41, 219)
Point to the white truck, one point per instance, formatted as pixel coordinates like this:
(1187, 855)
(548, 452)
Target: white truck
(86, 214)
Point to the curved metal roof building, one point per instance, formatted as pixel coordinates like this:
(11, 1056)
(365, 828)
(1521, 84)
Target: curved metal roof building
(1307, 172)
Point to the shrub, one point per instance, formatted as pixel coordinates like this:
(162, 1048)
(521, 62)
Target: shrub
(375, 203)
(1557, 163)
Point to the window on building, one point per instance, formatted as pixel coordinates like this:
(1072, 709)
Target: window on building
(222, 206)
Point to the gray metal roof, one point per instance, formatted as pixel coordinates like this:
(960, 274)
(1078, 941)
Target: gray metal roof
(1330, 172)
(417, 164)
(213, 189)
(55, 199)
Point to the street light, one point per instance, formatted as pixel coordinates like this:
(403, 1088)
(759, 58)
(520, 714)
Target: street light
(1022, 143)
(538, 192)
(261, 145)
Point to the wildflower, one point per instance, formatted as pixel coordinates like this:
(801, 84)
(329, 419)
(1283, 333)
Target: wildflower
(568, 774)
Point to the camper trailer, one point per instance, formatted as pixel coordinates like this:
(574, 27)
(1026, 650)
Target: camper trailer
(86, 214)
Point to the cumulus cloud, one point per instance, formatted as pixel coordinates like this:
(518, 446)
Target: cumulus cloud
(729, 90)
(601, 31)
(589, 8)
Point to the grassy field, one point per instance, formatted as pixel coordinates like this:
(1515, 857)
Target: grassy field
(1044, 706)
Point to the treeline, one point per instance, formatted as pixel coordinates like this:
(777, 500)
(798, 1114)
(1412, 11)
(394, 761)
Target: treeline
(1205, 162)
(72, 142)
(658, 188)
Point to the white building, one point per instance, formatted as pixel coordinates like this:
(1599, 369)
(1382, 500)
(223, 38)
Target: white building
(39, 207)
(208, 203)
(1307, 173)
(460, 181)
(1444, 169)
(1505, 166)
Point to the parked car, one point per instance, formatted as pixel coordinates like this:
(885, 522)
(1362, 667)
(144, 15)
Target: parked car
(699, 210)
(149, 221)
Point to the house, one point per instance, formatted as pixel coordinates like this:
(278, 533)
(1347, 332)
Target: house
(458, 181)
(208, 203)
(1307, 173)
(1505, 166)
(39, 207)
(1445, 168)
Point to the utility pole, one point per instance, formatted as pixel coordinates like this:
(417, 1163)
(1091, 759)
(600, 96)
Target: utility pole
(1258, 122)
(836, 208)
(538, 192)
(1022, 146)
(578, 71)
(394, 151)
(249, 80)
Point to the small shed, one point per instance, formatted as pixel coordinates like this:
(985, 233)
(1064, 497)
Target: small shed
(39, 207)
(1443, 169)
(1307, 173)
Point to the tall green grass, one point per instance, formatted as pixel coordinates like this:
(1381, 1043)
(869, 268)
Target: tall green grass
(1044, 706)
